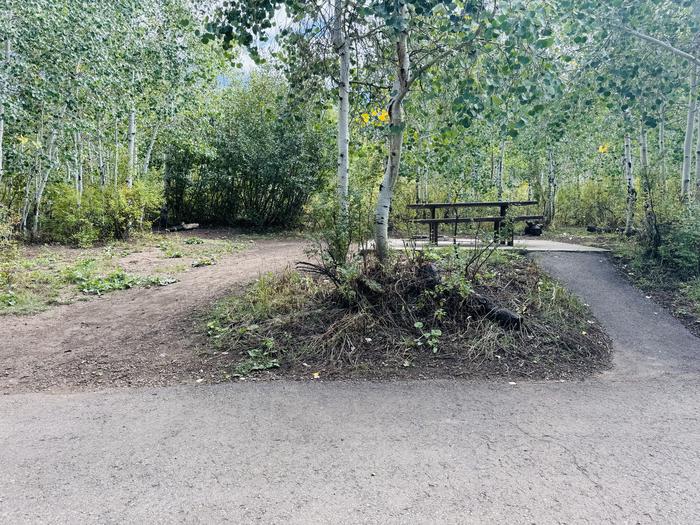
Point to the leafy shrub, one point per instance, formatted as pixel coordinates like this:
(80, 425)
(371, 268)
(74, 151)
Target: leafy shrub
(8, 256)
(102, 214)
(680, 248)
(597, 202)
(264, 156)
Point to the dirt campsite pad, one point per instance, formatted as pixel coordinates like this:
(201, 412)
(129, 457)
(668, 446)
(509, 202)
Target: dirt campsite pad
(136, 337)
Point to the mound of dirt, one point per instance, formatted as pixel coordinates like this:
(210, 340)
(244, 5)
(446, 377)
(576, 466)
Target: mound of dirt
(514, 322)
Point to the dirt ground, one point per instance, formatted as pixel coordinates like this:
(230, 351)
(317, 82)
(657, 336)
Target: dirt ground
(138, 337)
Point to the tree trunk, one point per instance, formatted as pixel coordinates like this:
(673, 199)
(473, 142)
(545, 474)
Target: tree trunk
(662, 142)
(132, 149)
(2, 136)
(697, 158)
(652, 229)
(116, 151)
(101, 159)
(78, 163)
(2, 119)
(631, 192)
(499, 175)
(690, 125)
(149, 151)
(550, 205)
(342, 48)
(395, 109)
(43, 180)
(26, 205)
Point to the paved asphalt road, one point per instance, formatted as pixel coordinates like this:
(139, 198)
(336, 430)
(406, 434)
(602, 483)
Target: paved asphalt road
(622, 448)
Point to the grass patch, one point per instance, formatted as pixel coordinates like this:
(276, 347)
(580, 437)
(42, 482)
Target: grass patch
(33, 278)
(399, 323)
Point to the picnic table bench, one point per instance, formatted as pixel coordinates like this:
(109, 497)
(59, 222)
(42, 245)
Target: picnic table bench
(433, 222)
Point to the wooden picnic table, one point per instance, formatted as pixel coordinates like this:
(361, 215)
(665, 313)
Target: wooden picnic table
(503, 206)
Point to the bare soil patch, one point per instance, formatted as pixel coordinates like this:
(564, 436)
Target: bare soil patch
(136, 337)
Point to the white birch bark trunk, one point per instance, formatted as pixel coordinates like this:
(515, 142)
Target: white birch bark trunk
(342, 48)
(2, 119)
(78, 162)
(690, 125)
(395, 109)
(550, 205)
(662, 143)
(101, 159)
(116, 151)
(652, 230)
(697, 156)
(499, 173)
(43, 180)
(26, 204)
(149, 151)
(631, 192)
(2, 137)
(132, 149)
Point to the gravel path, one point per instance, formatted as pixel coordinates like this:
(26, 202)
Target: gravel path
(620, 448)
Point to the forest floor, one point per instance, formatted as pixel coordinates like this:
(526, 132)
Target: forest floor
(681, 298)
(135, 337)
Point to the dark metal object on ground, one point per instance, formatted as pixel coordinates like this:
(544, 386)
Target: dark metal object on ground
(533, 229)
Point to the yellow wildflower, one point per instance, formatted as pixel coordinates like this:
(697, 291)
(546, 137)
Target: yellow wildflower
(365, 117)
(384, 116)
(374, 113)
(603, 148)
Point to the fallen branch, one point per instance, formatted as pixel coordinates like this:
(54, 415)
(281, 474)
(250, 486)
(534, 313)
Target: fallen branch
(183, 226)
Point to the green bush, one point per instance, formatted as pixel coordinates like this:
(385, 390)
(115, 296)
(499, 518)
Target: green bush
(597, 202)
(101, 214)
(8, 255)
(680, 248)
(256, 159)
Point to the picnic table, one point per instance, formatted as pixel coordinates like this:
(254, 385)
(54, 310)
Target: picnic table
(433, 222)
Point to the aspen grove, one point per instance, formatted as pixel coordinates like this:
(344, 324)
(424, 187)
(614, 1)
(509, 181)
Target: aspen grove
(112, 116)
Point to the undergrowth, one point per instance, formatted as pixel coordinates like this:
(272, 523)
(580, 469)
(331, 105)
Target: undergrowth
(84, 276)
(35, 277)
(423, 317)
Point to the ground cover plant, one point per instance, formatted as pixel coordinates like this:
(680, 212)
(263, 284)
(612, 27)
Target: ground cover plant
(439, 314)
(35, 277)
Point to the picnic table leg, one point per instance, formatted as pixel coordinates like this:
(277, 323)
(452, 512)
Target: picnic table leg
(503, 213)
(434, 233)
